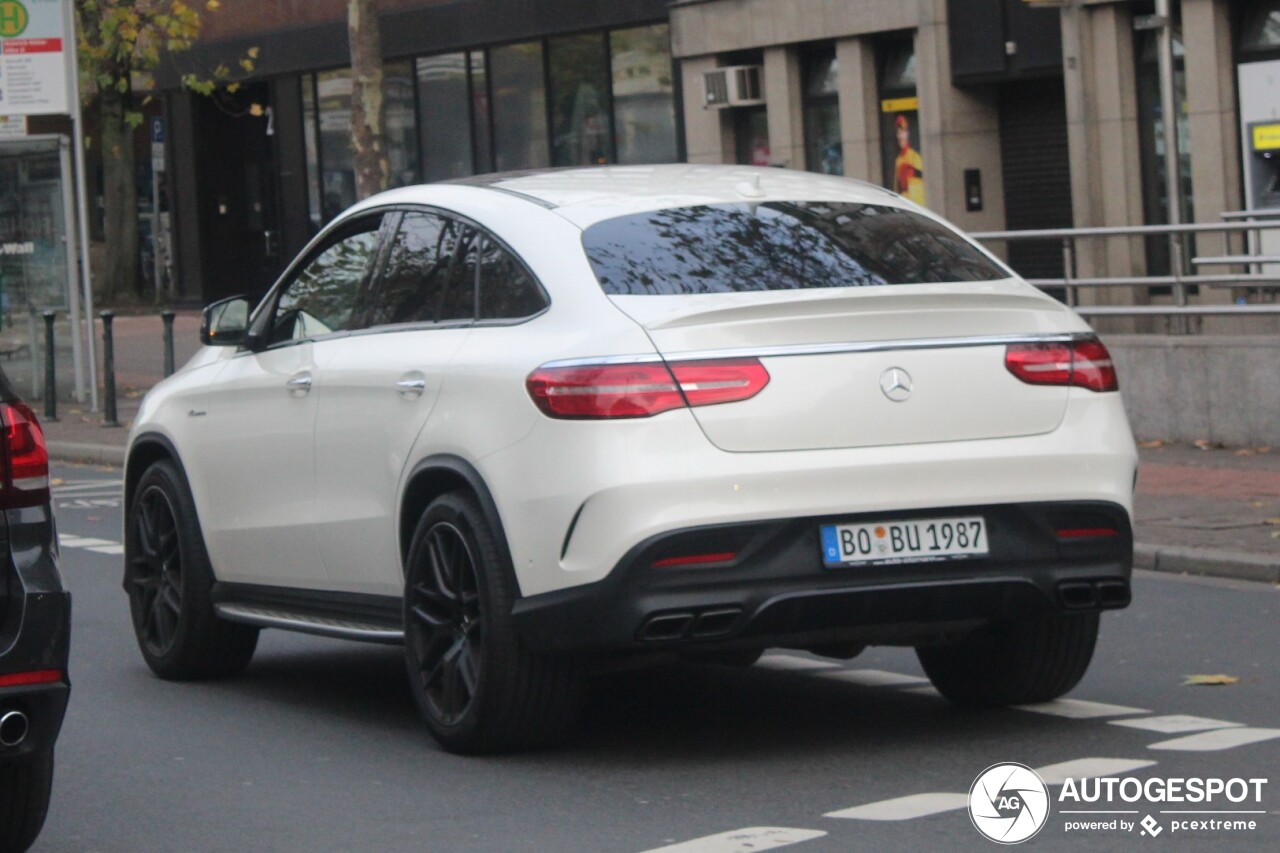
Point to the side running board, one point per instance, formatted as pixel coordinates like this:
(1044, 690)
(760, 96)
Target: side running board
(367, 618)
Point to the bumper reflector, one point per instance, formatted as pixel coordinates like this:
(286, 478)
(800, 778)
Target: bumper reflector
(39, 676)
(695, 559)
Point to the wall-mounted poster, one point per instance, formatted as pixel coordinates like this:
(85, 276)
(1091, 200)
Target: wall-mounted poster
(903, 165)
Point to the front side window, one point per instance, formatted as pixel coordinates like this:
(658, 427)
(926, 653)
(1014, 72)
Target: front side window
(322, 298)
(793, 245)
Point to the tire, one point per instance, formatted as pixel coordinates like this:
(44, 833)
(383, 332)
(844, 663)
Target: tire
(24, 800)
(170, 583)
(478, 688)
(1014, 663)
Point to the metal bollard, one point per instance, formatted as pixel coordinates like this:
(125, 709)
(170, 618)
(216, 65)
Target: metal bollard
(167, 317)
(50, 376)
(108, 371)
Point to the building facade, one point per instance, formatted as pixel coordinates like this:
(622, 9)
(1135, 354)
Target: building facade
(998, 114)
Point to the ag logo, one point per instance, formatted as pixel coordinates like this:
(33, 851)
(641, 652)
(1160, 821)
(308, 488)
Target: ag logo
(13, 18)
(1008, 803)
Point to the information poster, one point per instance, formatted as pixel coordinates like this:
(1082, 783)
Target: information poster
(904, 166)
(34, 49)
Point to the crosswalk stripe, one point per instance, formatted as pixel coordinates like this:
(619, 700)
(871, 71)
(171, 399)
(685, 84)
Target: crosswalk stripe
(1174, 724)
(1088, 768)
(873, 677)
(1080, 709)
(1218, 739)
(905, 808)
(746, 840)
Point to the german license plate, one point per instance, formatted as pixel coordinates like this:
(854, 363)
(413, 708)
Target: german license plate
(919, 540)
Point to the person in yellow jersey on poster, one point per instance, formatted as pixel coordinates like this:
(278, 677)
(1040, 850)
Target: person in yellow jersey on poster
(908, 168)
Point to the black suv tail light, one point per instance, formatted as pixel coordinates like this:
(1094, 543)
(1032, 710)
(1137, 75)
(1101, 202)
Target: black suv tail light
(24, 459)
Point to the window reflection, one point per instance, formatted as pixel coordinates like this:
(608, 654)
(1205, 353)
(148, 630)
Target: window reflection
(445, 115)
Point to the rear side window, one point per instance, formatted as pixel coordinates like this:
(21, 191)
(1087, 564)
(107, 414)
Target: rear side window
(507, 291)
(741, 247)
(430, 272)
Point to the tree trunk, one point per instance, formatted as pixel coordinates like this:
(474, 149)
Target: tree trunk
(120, 195)
(368, 143)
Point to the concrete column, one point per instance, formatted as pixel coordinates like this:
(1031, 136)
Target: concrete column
(959, 129)
(1103, 135)
(859, 109)
(784, 101)
(708, 136)
(1211, 114)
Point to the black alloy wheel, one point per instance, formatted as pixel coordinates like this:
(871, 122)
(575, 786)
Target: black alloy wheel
(447, 627)
(155, 571)
(478, 687)
(169, 581)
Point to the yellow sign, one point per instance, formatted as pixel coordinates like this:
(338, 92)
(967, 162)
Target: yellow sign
(13, 18)
(1266, 137)
(899, 105)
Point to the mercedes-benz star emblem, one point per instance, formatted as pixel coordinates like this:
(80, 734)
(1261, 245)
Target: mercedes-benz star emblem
(896, 384)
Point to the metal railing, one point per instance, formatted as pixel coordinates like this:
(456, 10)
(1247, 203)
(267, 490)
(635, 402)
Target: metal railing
(1178, 282)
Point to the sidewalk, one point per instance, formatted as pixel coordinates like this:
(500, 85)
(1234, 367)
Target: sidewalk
(1211, 512)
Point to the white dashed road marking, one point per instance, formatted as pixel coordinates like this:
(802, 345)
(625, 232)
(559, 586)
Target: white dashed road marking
(745, 840)
(1215, 740)
(923, 805)
(905, 808)
(1088, 768)
(1174, 724)
(1080, 709)
(793, 662)
(873, 677)
(98, 546)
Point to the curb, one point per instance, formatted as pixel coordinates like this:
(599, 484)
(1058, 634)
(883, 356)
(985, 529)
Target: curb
(83, 451)
(1207, 561)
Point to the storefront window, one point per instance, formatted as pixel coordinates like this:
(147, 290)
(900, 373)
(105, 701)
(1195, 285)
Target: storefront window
(904, 170)
(313, 151)
(823, 149)
(519, 107)
(644, 118)
(1155, 195)
(444, 111)
(751, 136)
(337, 183)
(481, 129)
(580, 132)
(1260, 30)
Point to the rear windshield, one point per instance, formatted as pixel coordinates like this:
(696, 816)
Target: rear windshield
(741, 247)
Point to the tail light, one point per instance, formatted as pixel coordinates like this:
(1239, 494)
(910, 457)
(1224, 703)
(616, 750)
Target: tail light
(643, 390)
(24, 459)
(1084, 363)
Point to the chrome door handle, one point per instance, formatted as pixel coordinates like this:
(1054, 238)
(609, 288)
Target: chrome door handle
(411, 387)
(299, 384)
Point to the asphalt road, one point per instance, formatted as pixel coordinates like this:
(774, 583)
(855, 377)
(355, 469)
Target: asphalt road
(317, 747)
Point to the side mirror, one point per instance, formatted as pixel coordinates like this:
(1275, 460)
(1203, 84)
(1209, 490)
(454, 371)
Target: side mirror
(225, 322)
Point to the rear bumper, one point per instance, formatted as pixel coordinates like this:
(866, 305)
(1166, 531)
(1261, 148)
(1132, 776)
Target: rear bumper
(42, 644)
(776, 590)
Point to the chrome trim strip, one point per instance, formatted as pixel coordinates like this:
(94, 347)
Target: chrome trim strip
(341, 630)
(829, 349)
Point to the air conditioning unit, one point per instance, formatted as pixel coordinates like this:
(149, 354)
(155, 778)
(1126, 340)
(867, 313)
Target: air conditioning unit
(733, 86)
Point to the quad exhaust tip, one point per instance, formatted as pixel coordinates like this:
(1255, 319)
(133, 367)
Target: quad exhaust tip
(13, 728)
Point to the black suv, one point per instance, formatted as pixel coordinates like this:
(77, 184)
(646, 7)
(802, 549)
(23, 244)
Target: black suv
(35, 626)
